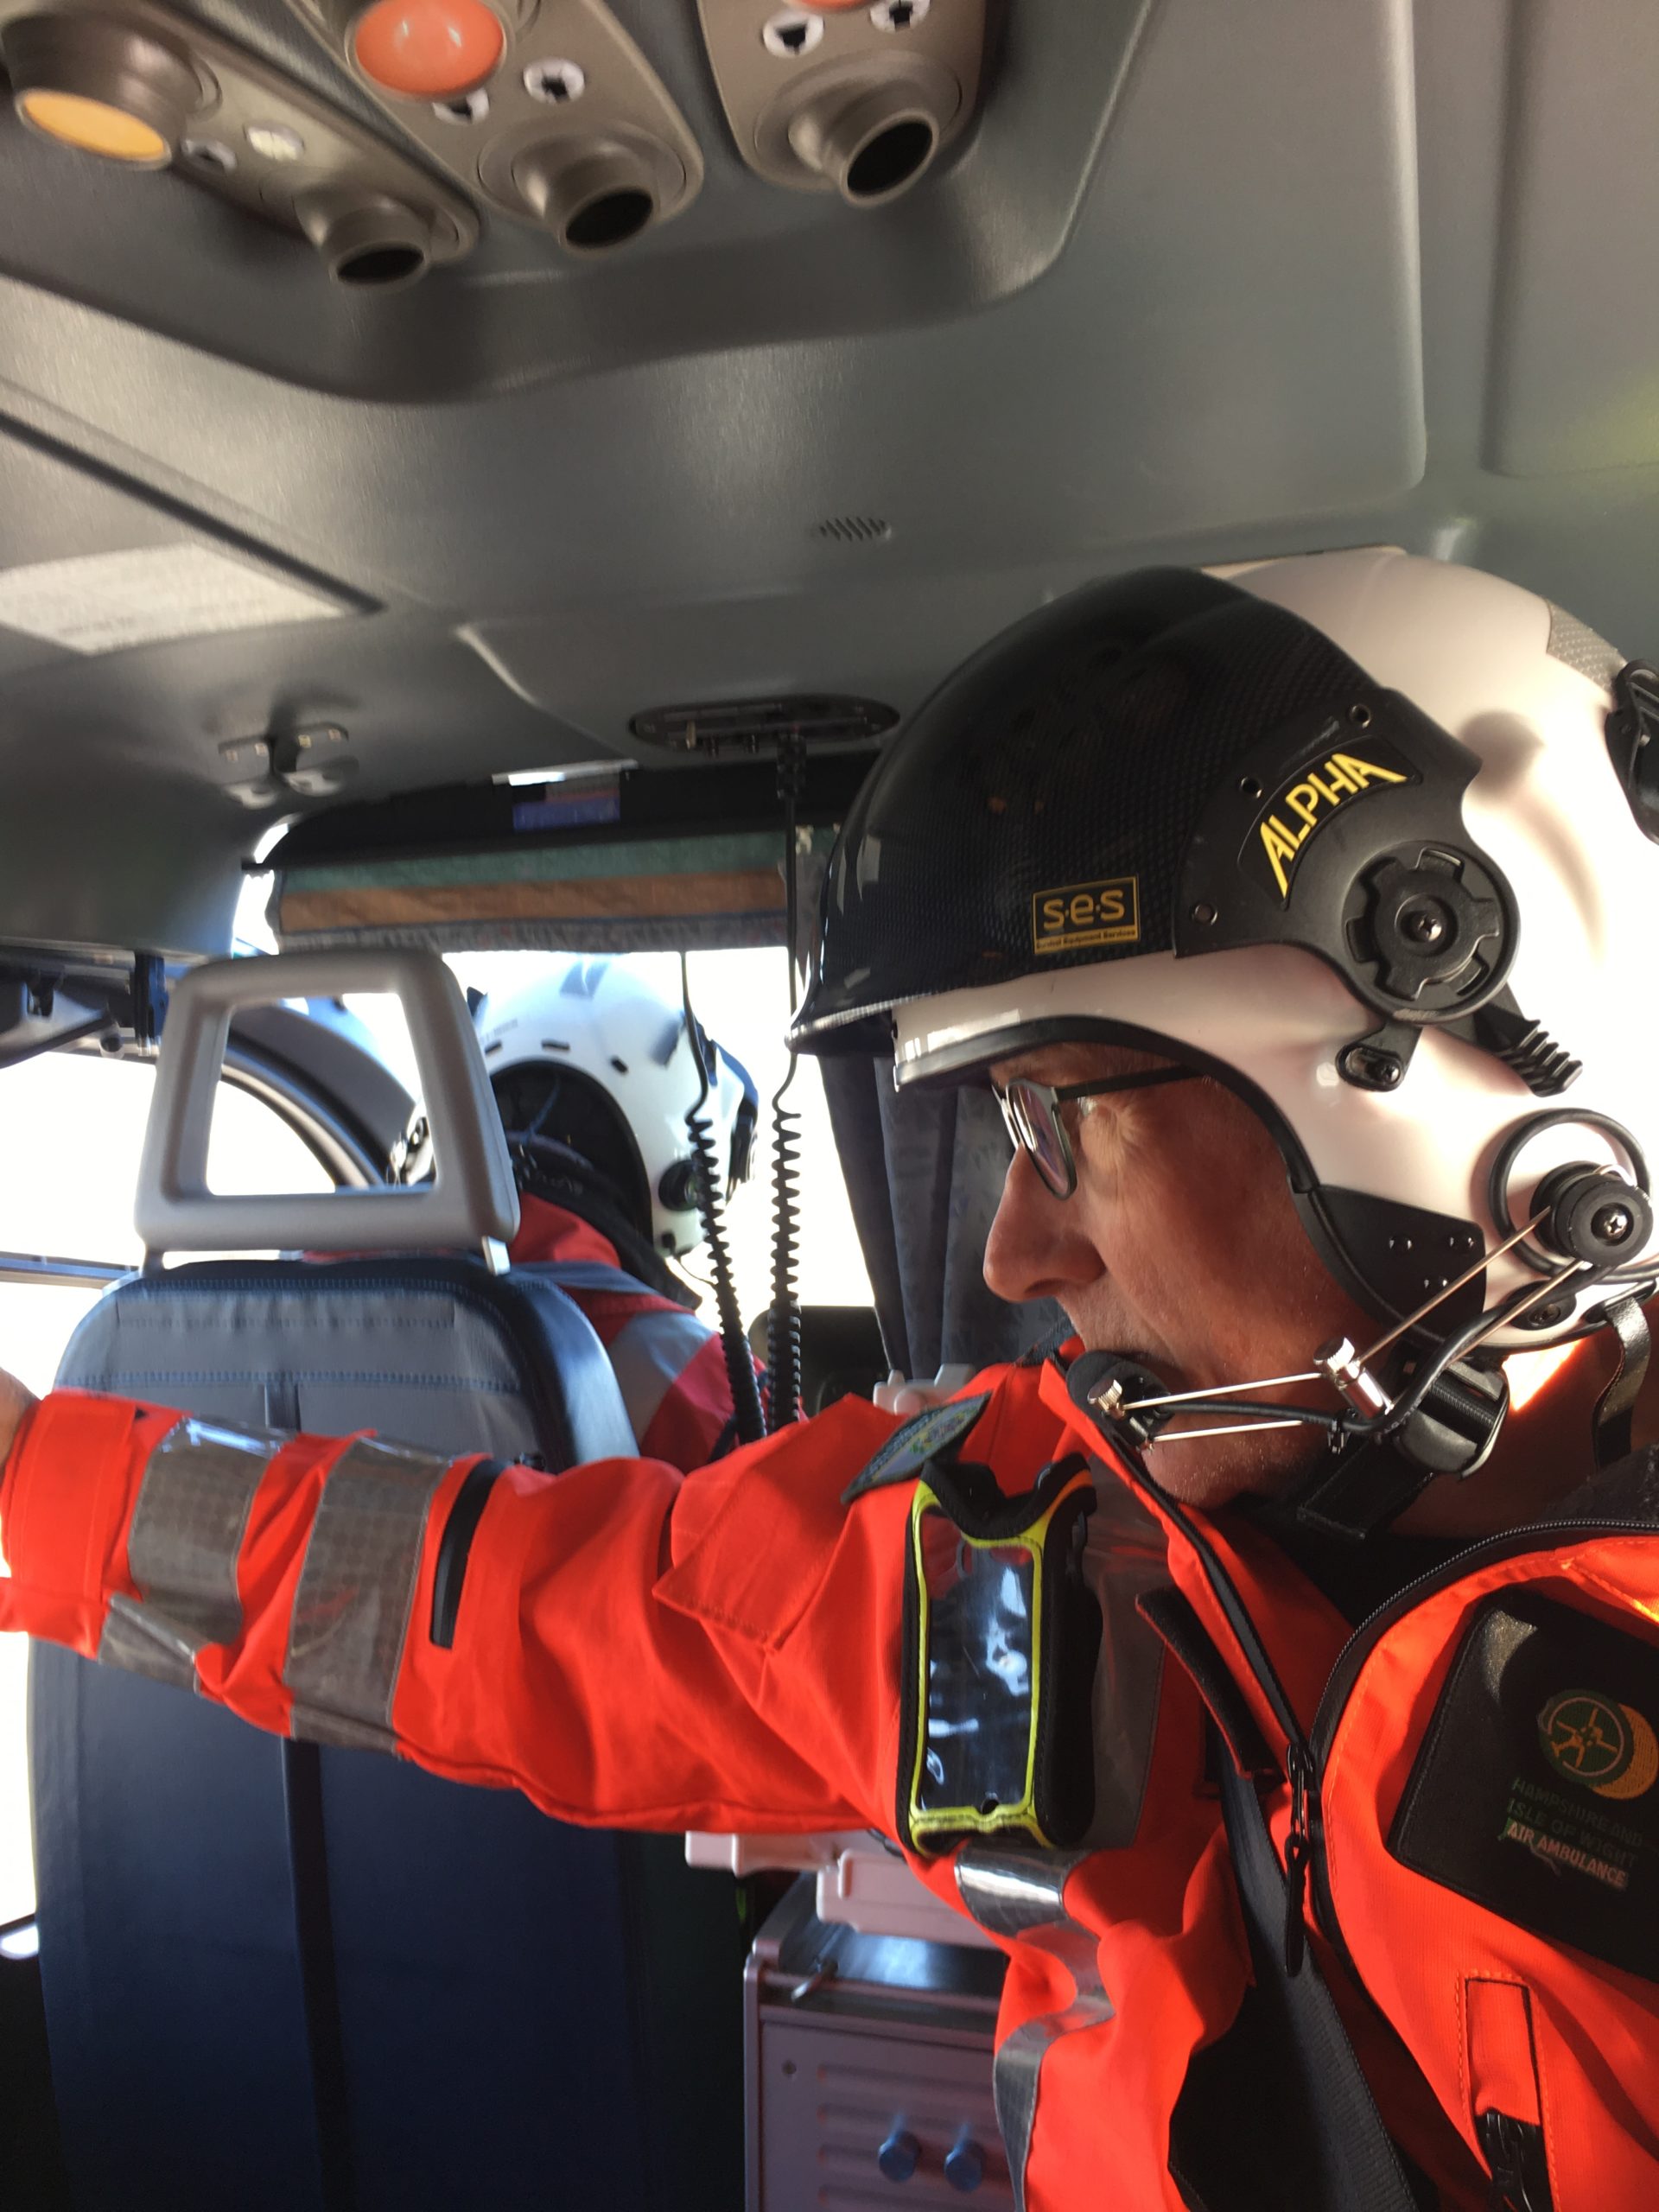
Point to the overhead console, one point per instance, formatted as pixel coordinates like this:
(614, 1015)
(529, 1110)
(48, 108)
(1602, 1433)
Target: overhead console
(549, 111)
(612, 184)
(142, 88)
(845, 96)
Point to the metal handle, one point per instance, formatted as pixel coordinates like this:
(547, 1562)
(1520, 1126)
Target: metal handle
(470, 1203)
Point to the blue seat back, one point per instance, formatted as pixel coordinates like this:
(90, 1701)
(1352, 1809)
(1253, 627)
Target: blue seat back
(282, 1977)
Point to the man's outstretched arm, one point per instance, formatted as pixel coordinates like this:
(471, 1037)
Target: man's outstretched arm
(627, 1645)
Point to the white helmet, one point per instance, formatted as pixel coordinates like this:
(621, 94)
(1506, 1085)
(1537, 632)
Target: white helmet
(1361, 834)
(595, 1060)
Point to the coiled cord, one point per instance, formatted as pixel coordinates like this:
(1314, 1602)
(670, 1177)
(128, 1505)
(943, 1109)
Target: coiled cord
(706, 1176)
(783, 1323)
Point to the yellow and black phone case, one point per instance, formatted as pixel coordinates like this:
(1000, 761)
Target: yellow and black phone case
(1001, 1639)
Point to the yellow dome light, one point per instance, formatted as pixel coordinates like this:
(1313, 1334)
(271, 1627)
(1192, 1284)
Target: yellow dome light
(95, 127)
(101, 86)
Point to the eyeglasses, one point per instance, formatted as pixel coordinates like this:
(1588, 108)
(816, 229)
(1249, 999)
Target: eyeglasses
(1031, 1111)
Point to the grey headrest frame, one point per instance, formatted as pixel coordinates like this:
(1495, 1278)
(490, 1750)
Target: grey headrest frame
(471, 1203)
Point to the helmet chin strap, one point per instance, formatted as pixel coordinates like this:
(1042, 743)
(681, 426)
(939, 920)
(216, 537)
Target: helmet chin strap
(1407, 1416)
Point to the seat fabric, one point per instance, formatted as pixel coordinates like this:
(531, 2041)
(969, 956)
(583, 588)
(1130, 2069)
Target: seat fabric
(281, 1977)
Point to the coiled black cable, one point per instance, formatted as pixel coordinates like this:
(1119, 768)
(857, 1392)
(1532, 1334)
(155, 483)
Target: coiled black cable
(784, 1320)
(706, 1176)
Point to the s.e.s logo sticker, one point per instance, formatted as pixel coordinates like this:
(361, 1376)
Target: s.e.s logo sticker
(1078, 914)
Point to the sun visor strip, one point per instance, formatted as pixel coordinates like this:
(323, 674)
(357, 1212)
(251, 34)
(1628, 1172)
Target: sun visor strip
(643, 894)
(357, 1592)
(183, 1547)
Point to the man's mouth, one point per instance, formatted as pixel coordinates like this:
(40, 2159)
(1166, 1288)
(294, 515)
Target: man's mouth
(1156, 1362)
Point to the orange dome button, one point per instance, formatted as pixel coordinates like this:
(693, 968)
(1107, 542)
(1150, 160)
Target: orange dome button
(95, 127)
(427, 49)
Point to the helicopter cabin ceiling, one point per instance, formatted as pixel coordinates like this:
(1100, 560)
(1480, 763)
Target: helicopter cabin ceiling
(765, 360)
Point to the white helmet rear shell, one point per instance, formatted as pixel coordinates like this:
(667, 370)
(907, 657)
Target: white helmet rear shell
(611, 1021)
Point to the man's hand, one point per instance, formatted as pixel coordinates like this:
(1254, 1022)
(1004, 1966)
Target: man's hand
(15, 1402)
(900, 1395)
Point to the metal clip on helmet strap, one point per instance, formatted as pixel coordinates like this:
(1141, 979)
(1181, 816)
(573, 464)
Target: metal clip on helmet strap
(1370, 1484)
(1106, 1387)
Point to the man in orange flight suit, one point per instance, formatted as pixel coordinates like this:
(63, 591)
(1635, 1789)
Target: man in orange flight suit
(594, 1073)
(1286, 1711)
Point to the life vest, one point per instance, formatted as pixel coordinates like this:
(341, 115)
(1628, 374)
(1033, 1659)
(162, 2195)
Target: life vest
(1472, 1782)
(1469, 1783)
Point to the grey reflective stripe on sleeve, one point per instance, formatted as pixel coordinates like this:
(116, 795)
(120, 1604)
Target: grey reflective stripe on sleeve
(357, 1587)
(648, 1358)
(182, 1547)
(1019, 1893)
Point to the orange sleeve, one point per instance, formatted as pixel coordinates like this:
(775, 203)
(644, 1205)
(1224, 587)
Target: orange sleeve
(630, 1646)
(71, 1528)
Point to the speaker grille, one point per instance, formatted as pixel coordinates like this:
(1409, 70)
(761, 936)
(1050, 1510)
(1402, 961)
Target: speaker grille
(854, 529)
(748, 724)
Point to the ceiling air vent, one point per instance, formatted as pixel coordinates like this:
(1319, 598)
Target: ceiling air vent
(854, 529)
(748, 725)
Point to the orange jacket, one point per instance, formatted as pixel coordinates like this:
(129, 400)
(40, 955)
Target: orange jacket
(724, 1650)
(669, 1364)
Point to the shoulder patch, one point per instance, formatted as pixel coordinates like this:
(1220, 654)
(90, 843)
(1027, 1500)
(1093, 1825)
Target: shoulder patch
(1534, 1792)
(909, 1449)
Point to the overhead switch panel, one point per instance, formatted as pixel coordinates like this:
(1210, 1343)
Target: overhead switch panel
(552, 111)
(139, 87)
(857, 100)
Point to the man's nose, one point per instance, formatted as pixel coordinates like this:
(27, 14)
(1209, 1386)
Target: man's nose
(1037, 1248)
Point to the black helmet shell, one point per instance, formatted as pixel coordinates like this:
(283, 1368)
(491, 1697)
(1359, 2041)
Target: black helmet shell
(1116, 775)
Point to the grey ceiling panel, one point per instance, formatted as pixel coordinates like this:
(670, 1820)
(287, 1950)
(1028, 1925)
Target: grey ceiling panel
(1344, 272)
(1576, 366)
(82, 868)
(54, 510)
(114, 824)
(596, 666)
(416, 708)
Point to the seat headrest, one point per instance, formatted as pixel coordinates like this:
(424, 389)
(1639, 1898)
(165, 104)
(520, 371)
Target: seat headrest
(470, 1203)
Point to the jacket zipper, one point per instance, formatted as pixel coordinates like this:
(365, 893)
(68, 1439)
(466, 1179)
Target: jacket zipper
(1301, 1769)
(1514, 2151)
(1299, 1851)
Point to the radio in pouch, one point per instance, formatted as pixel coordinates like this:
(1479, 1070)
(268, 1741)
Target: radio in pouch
(1001, 1636)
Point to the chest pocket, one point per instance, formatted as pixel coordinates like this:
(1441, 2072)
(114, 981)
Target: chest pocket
(1537, 1790)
